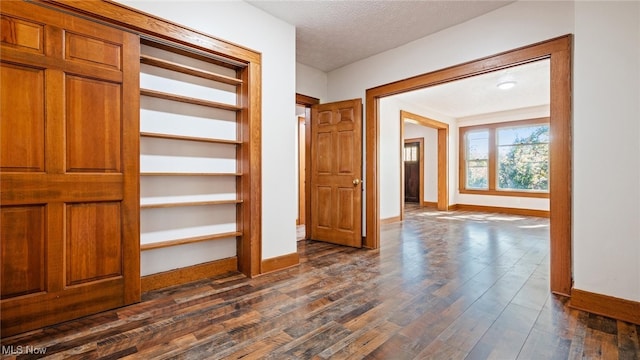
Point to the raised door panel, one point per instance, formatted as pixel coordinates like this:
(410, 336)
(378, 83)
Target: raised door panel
(23, 250)
(93, 242)
(345, 219)
(22, 34)
(93, 125)
(22, 119)
(92, 51)
(345, 153)
(324, 199)
(324, 154)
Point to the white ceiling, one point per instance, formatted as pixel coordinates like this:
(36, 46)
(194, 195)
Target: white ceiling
(331, 34)
(334, 33)
(480, 95)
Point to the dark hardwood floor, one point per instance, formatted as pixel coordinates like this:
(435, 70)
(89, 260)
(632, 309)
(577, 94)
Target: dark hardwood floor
(444, 285)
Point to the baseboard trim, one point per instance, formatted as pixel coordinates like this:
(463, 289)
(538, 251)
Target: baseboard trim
(498, 209)
(390, 220)
(620, 309)
(430, 204)
(280, 262)
(188, 274)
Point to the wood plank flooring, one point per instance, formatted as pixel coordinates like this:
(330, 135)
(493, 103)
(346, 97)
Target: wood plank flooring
(443, 285)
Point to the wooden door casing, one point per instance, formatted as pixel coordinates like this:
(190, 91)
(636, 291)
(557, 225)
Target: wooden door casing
(336, 172)
(69, 185)
(301, 171)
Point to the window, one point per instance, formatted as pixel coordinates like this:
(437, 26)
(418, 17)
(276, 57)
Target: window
(506, 159)
(411, 152)
(477, 154)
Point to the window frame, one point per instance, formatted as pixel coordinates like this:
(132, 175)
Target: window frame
(493, 163)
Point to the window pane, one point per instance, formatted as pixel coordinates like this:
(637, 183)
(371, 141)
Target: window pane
(411, 152)
(477, 158)
(523, 158)
(523, 135)
(478, 145)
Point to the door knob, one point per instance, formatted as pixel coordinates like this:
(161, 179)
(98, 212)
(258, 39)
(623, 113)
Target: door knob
(356, 182)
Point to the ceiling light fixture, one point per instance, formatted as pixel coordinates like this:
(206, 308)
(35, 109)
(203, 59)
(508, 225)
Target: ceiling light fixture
(506, 85)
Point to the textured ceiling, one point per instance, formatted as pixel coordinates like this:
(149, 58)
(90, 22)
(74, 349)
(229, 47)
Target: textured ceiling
(332, 34)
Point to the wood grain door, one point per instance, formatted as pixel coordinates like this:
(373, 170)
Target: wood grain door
(412, 172)
(68, 167)
(336, 172)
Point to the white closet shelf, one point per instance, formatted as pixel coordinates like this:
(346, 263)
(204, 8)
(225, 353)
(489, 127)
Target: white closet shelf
(188, 100)
(189, 203)
(169, 65)
(187, 174)
(189, 138)
(189, 240)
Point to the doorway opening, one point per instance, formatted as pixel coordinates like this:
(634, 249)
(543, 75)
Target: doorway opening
(558, 51)
(442, 202)
(304, 104)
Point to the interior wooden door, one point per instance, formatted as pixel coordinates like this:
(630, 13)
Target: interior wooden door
(68, 167)
(336, 172)
(412, 172)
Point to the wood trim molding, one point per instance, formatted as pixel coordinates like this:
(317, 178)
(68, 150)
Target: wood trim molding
(148, 24)
(302, 198)
(188, 274)
(502, 210)
(390, 220)
(280, 262)
(430, 204)
(423, 120)
(307, 102)
(249, 158)
(620, 309)
(559, 51)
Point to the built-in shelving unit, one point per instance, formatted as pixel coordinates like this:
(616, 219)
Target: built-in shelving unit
(189, 145)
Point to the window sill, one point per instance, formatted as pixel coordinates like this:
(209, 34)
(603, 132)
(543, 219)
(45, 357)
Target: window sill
(542, 195)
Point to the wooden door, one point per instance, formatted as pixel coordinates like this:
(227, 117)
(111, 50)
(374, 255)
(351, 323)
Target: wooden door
(412, 172)
(68, 167)
(336, 172)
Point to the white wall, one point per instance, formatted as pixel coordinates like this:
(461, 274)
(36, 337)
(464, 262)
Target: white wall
(606, 212)
(243, 24)
(311, 82)
(606, 185)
